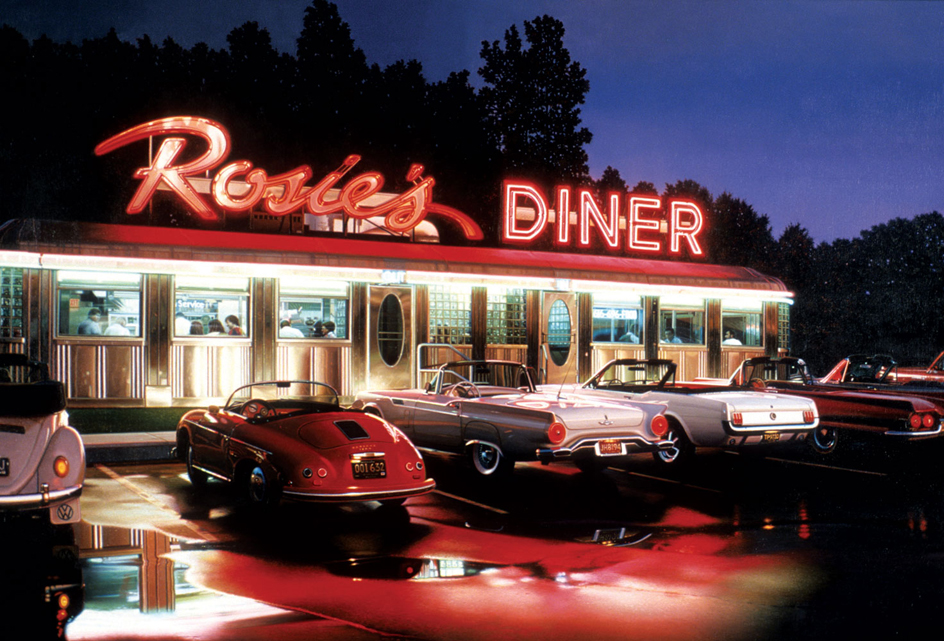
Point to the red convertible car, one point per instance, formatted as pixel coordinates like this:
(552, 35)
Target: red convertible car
(291, 439)
(934, 372)
(901, 416)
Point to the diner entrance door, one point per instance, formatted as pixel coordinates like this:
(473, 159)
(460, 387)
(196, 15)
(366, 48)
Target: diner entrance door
(390, 353)
(558, 337)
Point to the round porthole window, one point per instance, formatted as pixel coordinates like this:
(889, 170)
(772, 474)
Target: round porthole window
(390, 330)
(558, 332)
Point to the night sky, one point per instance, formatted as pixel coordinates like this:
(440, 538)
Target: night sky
(829, 114)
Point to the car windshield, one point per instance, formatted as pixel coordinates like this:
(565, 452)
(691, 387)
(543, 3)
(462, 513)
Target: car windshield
(484, 373)
(289, 397)
(869, 369)
(793, 371)
(634, 373)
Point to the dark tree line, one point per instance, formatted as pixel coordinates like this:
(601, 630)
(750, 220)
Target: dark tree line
(880, 292)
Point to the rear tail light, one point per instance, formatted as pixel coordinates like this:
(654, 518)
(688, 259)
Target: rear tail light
(737, 418)
(61, 466)
(925, 420)
(659, 425)
(808, 416)
(556, 433)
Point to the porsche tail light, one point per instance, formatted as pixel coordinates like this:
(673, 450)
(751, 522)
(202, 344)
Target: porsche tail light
(409, 466)
(808, 416)
(61, 466)
(322, 472)
(659, 425)
(737, 418)
(556, 433)
(419, 465)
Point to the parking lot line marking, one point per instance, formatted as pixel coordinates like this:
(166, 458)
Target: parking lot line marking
(673, 481)
(470, 502)
(828, 467)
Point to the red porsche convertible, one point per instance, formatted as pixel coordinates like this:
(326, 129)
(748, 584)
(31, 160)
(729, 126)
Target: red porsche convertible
(292, 440)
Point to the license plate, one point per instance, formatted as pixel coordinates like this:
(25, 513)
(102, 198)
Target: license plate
(771, 437)
(4, 467)
(610, 447)
(369, 469)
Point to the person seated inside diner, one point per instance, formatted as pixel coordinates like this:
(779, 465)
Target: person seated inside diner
(327, 330)
(91, 324)
(216, 328)
(118, 328)
(730, 339)
(232, 322)
(196, 328)
(670, 336)
(287, 331)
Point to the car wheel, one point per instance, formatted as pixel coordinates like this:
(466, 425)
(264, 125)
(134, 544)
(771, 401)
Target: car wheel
(823, 440)
(488, 460)
(681, 451)
(261, 488)
(197, 477)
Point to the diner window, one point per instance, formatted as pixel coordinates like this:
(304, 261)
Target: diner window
(313, 308)
(783, 326)
(98, 303)
(211, 306)
(12, 303)
(506, 316)
(681, 320)
(450, 314)
(617, 319)
(741, 323)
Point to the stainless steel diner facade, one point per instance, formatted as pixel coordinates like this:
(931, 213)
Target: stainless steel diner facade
(186, 315)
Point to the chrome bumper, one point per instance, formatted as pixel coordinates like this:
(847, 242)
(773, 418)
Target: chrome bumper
(336, 497)
(40, 499)
(633, 444)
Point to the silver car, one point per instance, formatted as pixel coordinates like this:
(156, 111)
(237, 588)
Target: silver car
(489, 411)
(701, 415)
(42, 459)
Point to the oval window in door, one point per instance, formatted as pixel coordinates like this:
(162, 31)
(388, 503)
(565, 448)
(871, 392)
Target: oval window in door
(390, 330)
(558, 332)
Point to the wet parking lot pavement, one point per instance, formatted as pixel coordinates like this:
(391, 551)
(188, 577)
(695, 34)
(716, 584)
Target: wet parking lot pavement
(732, 547)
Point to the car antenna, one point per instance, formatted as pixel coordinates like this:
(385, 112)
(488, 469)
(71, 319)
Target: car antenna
(560, 390)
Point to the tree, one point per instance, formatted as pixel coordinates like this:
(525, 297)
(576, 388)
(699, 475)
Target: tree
(531, 96)
(737, 235)
(332, 77)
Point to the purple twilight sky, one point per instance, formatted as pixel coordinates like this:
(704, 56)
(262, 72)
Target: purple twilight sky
(829, 114)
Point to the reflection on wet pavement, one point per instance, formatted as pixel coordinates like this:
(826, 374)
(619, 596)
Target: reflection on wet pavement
(759, 552)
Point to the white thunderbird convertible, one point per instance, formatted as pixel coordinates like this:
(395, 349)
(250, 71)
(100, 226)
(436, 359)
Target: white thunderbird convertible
(700, 415)
(489, 410)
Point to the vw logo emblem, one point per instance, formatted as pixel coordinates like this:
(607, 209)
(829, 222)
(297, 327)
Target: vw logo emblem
(773, 416)
(64, 511)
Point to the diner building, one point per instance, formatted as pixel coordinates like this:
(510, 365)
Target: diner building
(137, 315)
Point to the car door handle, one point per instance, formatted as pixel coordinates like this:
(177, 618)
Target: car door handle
(454, 405)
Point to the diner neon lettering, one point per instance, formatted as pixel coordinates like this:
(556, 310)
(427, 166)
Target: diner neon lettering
(643, 223)
(279, 194)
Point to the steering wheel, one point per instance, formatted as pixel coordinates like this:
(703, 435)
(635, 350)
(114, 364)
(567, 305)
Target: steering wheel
(465, 389)
(254, 408)
(758, 383)
(613, 382)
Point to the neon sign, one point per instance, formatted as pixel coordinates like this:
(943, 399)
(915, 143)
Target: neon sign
(278, 194)
(643, 231)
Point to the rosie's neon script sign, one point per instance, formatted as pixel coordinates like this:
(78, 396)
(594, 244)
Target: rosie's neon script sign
(401, 214)
(685, 219)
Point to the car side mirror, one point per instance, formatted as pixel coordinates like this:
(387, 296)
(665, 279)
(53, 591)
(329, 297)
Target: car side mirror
(214, 409)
